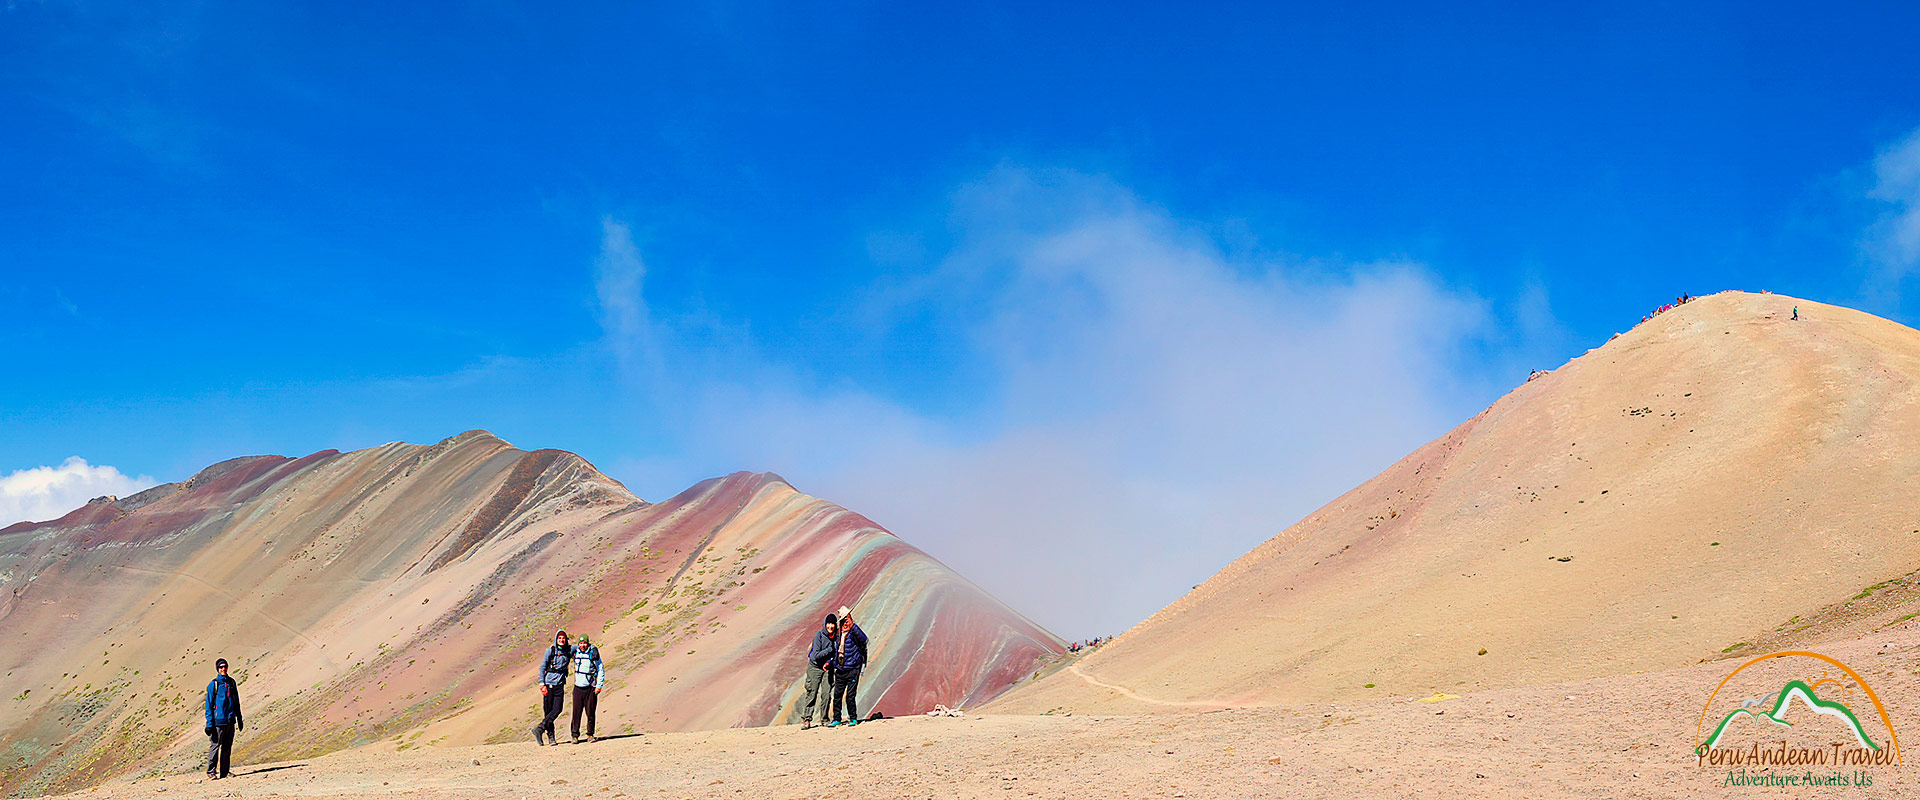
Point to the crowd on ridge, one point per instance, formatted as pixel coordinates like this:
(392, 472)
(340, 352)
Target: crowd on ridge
(1677, 302)
(1088, 644)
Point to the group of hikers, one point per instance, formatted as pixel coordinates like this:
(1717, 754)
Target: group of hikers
(1677, 302)
(589, 676)
(834, 660)
(838, 653)
(1093, 642)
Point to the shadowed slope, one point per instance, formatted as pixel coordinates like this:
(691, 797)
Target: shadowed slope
(1697, 482)
(404, 592)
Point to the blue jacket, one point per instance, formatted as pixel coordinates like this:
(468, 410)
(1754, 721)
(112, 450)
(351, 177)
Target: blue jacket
(553, 665)
(822, 650)
(850, 652)
(223, 701)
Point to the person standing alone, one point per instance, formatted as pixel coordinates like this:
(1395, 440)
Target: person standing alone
(589, 674)
(849, 656)
(553, 680)
(223, 718)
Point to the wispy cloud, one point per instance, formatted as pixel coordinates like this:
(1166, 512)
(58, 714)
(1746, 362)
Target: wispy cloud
(1152, 408)
(620, 278)
(43, 493)
(1893, 241)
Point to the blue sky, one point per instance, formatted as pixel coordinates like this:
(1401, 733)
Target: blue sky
(1086, 301)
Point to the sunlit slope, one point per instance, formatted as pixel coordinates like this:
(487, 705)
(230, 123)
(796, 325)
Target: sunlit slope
(1709, 479)
(404, 593)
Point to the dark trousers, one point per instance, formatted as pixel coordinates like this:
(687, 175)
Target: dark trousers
(584, 699)
(816, 680)
(845, 684)
(552, 703)
(220, 750)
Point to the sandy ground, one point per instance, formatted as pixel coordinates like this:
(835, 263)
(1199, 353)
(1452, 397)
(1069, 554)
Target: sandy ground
(1624, 736)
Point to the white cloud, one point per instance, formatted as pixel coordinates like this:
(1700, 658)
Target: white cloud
(1153, 408)
(44, 493)
(619, 280)
(1894, 241)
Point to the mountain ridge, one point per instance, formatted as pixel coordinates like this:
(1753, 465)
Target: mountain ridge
(398, 593)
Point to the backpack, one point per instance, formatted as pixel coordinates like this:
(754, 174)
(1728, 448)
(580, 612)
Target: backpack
(584, 676)
(555, 670)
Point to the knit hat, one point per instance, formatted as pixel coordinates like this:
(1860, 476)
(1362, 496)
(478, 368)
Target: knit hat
(831, 619)
(219, 662)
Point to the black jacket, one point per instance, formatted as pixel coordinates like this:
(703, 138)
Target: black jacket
(852, 648)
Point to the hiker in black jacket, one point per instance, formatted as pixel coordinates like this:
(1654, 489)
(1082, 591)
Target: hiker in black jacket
(817, 658)
(223, 717)
(553, 690)
(849, 657)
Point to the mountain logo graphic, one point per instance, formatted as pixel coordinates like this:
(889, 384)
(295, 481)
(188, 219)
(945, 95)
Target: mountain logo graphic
(1811, 721)
(1796, 690)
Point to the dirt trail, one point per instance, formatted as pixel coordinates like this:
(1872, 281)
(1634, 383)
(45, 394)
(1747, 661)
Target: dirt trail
(1075, 669)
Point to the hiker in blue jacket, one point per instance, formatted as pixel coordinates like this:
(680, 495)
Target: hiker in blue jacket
(223, 718)
(552, 676)
(849, 656)
(819, 655)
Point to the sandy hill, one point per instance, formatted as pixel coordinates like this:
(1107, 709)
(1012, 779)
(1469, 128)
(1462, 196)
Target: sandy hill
(1719, 480)
(403, 593)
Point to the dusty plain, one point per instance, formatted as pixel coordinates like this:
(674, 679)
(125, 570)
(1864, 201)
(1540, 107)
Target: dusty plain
(1619, 736)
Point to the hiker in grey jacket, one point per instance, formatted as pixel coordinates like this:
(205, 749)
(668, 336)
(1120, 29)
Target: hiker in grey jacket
(818, 657)
(589, 674)
(552, 675)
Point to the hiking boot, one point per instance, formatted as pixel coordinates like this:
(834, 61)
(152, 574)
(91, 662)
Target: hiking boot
(591, 739)
(539, 736)
(806, 724)
(576, 740)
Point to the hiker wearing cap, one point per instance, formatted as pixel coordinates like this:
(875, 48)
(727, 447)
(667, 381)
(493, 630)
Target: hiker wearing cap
(849, 656)
(553, 678)
(818, 657)
(588, 676)
(223, 718)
